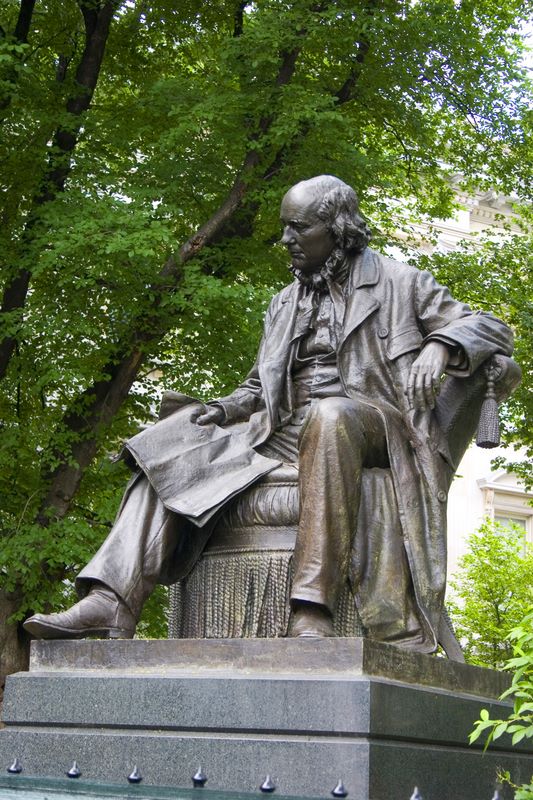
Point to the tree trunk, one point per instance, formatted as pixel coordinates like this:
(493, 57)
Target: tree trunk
(14, 641)
(97, 24)
(19, 35)
(22, 28)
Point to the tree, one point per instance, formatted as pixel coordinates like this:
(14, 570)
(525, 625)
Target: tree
(140, 208)
(491, 592)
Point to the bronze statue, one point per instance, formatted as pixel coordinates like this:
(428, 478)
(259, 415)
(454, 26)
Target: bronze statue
(347, 377)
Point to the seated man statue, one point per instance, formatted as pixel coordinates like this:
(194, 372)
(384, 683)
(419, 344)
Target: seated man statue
(347, 377)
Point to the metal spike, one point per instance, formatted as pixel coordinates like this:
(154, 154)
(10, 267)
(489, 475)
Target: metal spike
(15, 768)
(496, 795)
(199, 779)
(135, 776)
(416, 794)
(268, 785)
(74, 771)
(339, 790)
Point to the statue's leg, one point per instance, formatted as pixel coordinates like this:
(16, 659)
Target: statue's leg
(340, 437)
(146, 536)
(118, 579)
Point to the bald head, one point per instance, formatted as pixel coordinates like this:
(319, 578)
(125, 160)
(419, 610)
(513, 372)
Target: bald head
(315, 189)
(321, 215)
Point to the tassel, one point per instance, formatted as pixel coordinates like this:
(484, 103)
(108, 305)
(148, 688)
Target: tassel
(488, 431)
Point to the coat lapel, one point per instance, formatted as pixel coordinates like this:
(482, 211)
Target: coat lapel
(361, 300)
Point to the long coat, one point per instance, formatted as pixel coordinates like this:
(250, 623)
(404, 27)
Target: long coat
(392, 311)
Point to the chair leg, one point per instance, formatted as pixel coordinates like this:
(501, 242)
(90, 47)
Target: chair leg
(448, 640)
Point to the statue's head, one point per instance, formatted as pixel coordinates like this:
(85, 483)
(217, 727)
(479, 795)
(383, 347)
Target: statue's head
(321, 221)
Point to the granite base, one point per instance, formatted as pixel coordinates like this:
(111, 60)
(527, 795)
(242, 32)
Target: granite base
(305, 712)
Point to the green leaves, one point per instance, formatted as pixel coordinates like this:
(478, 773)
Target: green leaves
(491, 592)
(518, 724)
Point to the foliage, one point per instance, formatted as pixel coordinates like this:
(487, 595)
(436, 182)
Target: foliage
(491, 592)
(519, 723)
(140, 207)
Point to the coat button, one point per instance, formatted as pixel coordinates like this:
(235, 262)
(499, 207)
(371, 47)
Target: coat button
(441, 496)
(383, 333)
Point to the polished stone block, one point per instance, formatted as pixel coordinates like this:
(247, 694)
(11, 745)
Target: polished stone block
(307, 712)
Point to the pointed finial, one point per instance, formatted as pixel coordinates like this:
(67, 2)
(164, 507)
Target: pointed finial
(199, 779)
(416, 794)
(268, 785)
(339, 790)
(15, 768)
(74, 771)
(496, 795)
(135, 776)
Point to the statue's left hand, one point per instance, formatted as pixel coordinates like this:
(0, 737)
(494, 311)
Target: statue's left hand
(424, 379)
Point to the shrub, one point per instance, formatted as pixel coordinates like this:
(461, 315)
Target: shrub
(491, 592)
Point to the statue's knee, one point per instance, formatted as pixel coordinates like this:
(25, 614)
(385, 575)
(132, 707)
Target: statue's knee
(333, 410)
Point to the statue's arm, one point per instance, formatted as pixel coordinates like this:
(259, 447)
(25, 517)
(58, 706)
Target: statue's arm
(247, 397)
(457, 340)
(237, 406)
(471, 336)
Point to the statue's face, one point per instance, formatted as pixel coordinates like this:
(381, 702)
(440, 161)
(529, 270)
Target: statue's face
(306, 237)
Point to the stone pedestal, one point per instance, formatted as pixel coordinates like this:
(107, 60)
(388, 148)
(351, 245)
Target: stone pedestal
(306, 712)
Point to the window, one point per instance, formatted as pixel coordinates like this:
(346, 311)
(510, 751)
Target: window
(506, 502)
(507, 521)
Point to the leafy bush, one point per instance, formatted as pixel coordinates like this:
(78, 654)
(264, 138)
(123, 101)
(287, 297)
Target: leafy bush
(491, 592)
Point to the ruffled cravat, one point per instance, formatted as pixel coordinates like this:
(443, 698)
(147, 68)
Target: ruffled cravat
(308, 305)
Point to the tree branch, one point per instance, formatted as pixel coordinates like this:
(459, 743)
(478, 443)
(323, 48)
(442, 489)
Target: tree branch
(19, 36)
(344, 94)
(97, 24)
(238, 19)
(22, 28)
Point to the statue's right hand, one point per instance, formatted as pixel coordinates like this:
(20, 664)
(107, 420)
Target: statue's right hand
(214, 414)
